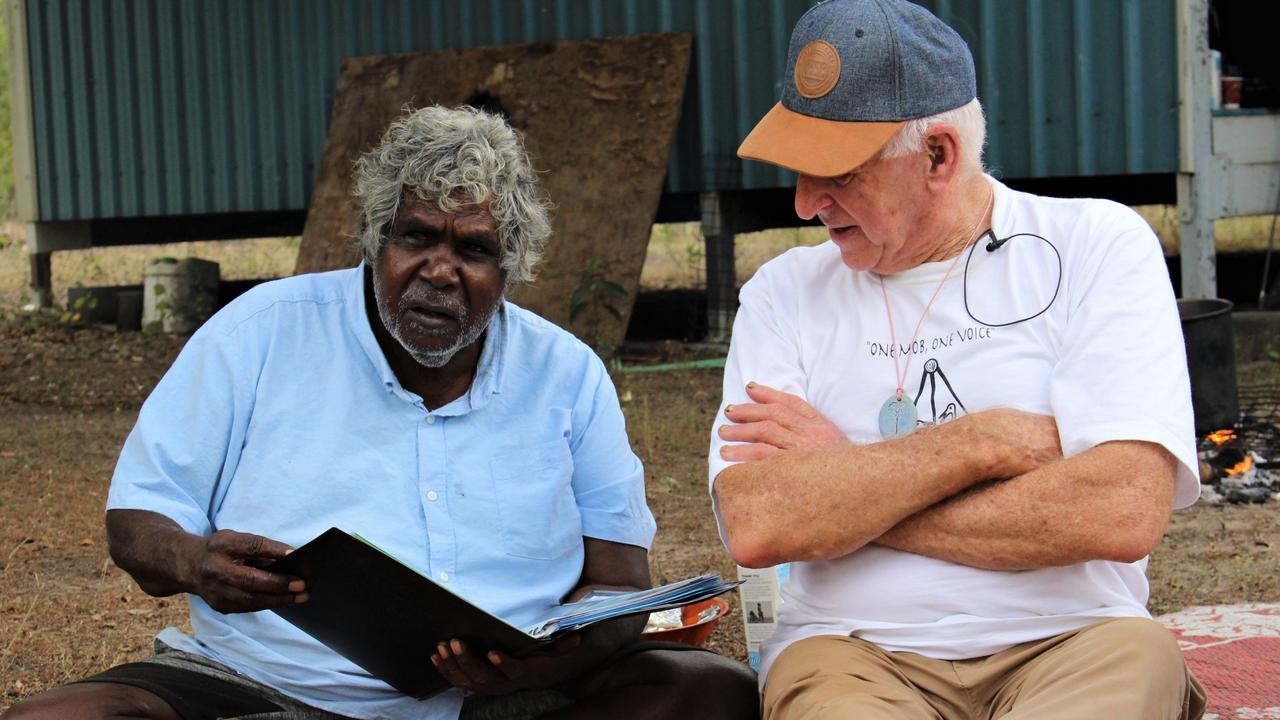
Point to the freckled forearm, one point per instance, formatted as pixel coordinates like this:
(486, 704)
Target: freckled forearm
(980, 529)
(1108, 503)
(806, 505)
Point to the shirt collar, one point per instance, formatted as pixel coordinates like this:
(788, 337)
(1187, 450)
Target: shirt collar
(489, 371)
(491, 368)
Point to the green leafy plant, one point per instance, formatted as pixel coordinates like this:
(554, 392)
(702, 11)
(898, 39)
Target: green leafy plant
(594, 290)
(162, 309)
(594, 297)
(75, 313)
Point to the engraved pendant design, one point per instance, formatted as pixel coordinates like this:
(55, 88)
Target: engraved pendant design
(897, 417)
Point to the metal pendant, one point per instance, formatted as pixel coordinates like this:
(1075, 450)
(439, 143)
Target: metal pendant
(897, 417)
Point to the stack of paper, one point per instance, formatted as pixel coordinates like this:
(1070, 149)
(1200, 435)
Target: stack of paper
(604, 605)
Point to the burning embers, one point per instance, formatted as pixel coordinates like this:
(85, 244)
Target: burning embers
(1221, 437)
(1229, 472)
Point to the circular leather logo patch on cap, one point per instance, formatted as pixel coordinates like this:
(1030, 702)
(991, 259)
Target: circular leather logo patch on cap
(817, 69)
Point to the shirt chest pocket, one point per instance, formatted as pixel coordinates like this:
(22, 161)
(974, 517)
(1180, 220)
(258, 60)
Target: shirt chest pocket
(537, 508)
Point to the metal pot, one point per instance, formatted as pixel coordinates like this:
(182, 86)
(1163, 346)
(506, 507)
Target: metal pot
(1211, 362)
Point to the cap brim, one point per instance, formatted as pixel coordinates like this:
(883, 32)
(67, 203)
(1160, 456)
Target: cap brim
(814, 146)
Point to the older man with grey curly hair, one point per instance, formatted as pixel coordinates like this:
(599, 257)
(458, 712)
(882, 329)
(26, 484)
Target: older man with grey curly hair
(404, 400)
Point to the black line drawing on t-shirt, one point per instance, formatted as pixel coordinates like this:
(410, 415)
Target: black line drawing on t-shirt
(931, 374)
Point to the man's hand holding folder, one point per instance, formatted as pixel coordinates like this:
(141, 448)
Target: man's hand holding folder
(609, 567)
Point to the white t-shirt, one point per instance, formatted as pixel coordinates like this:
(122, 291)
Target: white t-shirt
(1106, 360)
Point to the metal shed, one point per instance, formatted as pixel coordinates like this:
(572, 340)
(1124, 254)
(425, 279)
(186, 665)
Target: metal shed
(163, 120)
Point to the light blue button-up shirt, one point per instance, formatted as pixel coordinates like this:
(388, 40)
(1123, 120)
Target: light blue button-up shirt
(282, 417)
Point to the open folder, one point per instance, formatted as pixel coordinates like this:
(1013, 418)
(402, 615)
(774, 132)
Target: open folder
(388, 618)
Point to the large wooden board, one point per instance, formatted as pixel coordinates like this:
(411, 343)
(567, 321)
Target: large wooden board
(598, 118)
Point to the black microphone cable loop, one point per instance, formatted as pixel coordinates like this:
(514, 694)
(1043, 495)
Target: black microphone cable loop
(995, 244)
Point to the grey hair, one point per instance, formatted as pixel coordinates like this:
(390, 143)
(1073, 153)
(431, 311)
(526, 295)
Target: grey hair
(454, 157)
(969, 122)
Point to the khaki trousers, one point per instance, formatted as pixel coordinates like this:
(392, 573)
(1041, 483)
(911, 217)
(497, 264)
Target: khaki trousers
(1123, 669)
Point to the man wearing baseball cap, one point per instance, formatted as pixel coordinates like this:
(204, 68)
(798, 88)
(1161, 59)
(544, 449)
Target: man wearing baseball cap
(964, 420)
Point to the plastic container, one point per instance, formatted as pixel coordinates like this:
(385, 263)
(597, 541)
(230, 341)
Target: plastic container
(179, 295)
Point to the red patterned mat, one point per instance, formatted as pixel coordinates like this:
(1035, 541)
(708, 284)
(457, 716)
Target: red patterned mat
(1235, 652)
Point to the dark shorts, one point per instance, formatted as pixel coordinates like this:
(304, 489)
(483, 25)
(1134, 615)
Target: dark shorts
(198, 688)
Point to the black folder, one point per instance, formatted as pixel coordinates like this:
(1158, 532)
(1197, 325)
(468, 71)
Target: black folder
(384, 616)
(388, 618)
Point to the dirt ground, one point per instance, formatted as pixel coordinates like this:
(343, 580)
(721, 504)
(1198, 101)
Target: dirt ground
(68, 398)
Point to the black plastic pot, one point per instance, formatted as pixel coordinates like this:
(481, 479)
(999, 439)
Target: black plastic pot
(1211, 361)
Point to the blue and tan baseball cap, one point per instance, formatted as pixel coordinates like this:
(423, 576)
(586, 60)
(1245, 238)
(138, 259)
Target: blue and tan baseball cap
(856, 71)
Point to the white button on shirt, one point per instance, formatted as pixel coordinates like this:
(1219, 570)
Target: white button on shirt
(432, 496)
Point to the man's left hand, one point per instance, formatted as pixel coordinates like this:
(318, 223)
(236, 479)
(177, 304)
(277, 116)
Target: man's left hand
(497, 673)
(776, 421)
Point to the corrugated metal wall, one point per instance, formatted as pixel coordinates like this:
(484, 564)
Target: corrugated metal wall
(173, 107)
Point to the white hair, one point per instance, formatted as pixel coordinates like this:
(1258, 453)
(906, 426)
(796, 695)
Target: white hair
(454, 156)
(969, 122)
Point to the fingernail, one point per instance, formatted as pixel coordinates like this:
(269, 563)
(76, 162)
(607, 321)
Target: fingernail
(457, 647)
(728, 409)
(297, 586)
(495, 658)
(751, 385)
(301, 598)
(720, 430)
(443, 650)
(435, 660)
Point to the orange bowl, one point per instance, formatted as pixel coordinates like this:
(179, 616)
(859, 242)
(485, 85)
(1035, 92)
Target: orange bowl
(692, 632)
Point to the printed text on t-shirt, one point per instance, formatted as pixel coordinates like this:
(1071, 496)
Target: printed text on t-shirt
(955, 337)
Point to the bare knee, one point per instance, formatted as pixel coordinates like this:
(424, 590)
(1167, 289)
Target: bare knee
(92, 701)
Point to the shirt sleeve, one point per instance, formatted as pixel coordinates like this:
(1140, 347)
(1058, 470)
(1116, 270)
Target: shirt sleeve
(608, 478)
(765, 348)
(1122, 371)
(187, 438)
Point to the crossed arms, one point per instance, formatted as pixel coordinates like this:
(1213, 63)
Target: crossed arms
(989, 490)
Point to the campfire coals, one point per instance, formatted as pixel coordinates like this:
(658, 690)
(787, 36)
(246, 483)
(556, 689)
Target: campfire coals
(1229, 472)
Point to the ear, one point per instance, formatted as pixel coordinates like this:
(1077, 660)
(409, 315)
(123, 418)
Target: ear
(942, 145)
